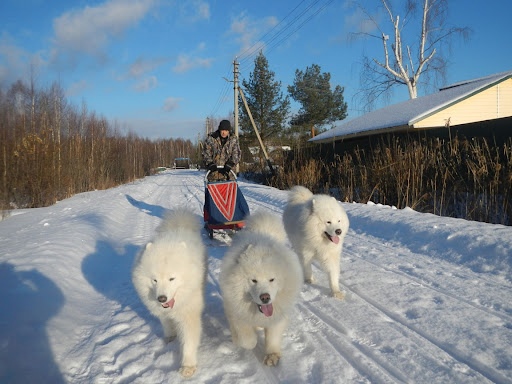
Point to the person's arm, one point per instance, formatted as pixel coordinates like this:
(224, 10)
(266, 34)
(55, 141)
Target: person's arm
(208, 152)
(234, 155)
(235, 152)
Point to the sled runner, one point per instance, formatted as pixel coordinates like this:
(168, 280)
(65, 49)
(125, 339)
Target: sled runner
(224, 205)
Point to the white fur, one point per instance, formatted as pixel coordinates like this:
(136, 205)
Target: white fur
(173, 267)
(308, 218)
(259, 266)
(268, 224)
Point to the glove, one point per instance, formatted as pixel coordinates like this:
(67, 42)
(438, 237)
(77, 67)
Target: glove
(227, 167)
(212, 167)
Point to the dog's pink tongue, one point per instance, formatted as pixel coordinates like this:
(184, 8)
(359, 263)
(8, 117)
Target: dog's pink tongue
(335, 239)
(169, 304)
(267, 309)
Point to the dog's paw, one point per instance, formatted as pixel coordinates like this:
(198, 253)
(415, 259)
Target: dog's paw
(187, 371)
(338, 295)
(271, 359)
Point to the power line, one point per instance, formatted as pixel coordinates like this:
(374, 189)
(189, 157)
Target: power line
(275, 40)
(220, 99)
(251, 49)
(275, 45)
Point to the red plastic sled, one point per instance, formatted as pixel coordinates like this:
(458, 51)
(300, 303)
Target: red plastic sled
(224, 205)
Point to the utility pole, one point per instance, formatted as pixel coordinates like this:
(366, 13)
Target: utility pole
(269, 163)
(235, 88)
(208, 129)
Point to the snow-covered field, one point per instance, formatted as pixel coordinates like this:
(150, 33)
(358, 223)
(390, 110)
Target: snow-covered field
(429, 299)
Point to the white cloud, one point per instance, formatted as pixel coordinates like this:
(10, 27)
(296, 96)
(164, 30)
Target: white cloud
(203, 10)
(159, 127)
(11, 56)
(171, 104)
(186, 63)
(146, 84)
(142, 66)
(248, 31)
(90, 30)
(194, 10)
(356, 20)
(76, 88)
(15, 62)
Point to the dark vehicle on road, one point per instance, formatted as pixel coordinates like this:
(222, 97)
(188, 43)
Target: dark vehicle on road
(182, 163)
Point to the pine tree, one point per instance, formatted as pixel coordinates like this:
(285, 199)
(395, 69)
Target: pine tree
(269, 108)
(320, 105)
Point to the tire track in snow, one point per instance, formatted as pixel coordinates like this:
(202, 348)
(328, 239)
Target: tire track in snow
(192, 190)
(371, 361)
(456, 354)
(370, 366)
(431, 284)
(376, 243)
(425, 281)
(418, 332)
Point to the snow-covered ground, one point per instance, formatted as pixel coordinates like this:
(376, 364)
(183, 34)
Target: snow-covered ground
(429, 299)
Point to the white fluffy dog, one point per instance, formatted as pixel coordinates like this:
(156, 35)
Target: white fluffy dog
(169, 276)
(260, 280)
(316, 225)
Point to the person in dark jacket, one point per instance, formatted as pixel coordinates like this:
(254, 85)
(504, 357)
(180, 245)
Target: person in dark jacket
(221, 149)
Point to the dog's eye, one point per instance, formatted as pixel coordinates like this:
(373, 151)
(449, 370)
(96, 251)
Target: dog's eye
(271, 280)
(171, 279)
(254, 281)
(328, 222)
(155, 281)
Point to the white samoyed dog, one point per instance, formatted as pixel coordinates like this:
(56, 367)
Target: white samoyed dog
(316, 225)
(169, 276)
(260, 280)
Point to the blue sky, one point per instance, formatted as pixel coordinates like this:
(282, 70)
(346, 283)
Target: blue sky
(158, 67)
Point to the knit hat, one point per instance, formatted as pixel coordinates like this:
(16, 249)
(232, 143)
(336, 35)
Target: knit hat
(225, 125)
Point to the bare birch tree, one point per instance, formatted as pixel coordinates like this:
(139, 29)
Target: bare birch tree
(412, 49)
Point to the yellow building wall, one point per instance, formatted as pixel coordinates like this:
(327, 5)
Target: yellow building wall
(493, 103)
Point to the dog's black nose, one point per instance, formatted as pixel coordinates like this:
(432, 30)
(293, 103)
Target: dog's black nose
(265, 298)
(162, 299)
(338, 232)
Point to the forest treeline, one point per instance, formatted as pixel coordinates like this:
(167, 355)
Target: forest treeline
(51, 150)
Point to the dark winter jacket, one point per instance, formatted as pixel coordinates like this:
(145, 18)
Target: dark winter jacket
(216, 152)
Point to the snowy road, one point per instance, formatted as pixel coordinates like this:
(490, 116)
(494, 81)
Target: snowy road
(429, 299)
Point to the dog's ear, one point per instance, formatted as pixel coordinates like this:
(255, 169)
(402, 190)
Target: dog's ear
(312, 206)
(149, 245)
(243, 253)
(249, 246)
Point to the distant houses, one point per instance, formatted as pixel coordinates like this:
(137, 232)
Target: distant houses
(478, 107)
